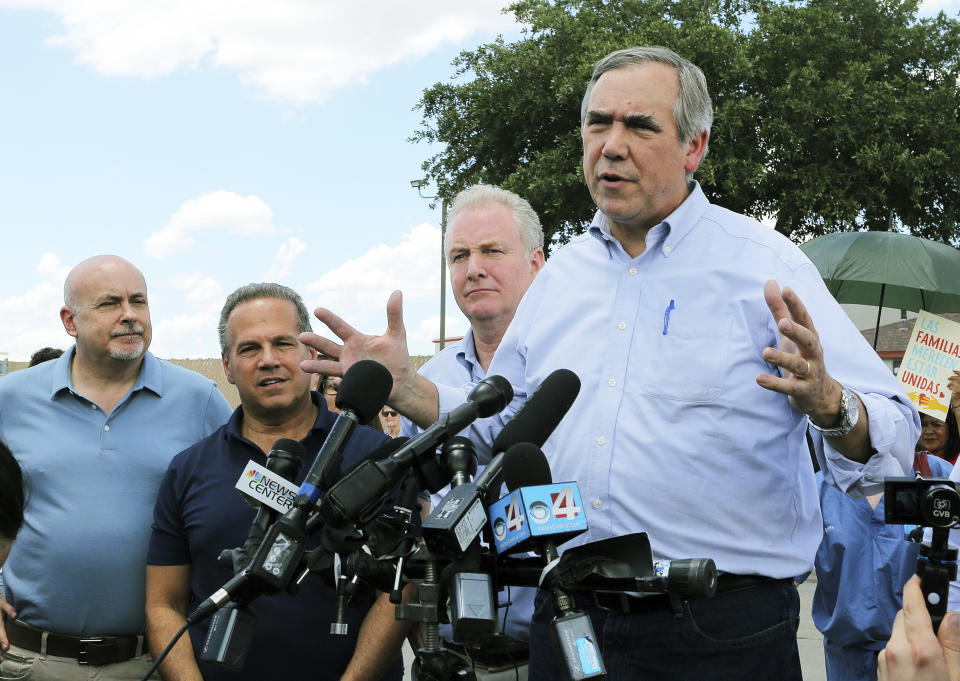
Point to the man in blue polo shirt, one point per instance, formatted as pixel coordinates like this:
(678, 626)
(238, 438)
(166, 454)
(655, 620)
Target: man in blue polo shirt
(94, 432)
(199, 513)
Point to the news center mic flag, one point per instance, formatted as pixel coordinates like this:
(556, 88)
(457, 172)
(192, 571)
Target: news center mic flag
(260, 484)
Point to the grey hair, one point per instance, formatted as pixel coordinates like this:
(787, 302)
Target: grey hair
(253, 292)
(525, 218)
(692, 109)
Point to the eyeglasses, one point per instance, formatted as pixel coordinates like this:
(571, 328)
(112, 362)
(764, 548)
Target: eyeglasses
(330, 387)
(388, 412)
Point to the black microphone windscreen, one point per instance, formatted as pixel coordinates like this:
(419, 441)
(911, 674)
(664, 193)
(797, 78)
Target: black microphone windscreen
(491, 395)
(542, 411)
(459, 456)
(364, 389)
(286, 458)
(525, 465)
(378, 454)
(289, 446)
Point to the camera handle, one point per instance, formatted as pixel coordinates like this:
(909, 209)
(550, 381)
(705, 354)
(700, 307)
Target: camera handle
(937, 567)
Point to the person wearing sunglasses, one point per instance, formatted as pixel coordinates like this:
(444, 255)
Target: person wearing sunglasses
(390, 421)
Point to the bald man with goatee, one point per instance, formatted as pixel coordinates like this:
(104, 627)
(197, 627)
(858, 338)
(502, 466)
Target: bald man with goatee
(94, 432)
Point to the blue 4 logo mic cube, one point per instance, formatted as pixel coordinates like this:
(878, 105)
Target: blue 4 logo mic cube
(529, 515)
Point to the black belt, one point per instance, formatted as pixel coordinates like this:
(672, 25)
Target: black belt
(94, 650)
(635, 605)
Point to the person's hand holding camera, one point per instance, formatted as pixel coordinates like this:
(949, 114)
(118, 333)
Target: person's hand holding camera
(914, 652)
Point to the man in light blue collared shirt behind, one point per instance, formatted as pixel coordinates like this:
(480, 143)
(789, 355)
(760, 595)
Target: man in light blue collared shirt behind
(494, 248)
(692, 331)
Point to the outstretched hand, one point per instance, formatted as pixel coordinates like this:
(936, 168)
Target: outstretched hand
(390, 349)
(914, 653)
(804, 378)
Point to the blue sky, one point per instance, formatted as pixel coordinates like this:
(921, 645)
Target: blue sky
(266, 146)
(215, 143)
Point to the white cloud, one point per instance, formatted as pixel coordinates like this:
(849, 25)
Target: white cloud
(413, 266)
(202, 291)
(296, 50)
(358, 289)
(50, 266)
(32, 320)
(186, 336)
(217, 211)
(286, 255)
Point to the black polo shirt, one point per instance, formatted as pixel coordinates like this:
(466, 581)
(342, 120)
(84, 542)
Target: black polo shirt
(199, 513)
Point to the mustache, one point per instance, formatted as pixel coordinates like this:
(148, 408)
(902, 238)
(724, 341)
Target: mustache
(127, 330)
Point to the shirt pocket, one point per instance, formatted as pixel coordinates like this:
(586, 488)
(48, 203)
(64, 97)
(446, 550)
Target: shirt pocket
(689, 363)
(896, 562)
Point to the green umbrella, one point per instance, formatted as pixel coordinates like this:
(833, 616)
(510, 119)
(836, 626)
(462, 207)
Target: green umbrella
(888, 269)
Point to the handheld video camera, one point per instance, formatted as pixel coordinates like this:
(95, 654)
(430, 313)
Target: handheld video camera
(934, 503)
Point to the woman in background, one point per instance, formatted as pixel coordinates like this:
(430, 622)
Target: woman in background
(939, 438)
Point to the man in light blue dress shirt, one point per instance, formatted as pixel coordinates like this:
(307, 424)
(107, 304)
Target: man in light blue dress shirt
(494, 249)
(692, 331)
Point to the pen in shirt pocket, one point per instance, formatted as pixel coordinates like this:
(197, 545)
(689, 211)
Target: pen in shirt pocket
(666, 316)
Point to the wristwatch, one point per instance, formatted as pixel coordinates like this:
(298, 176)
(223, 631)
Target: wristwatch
(849, 415)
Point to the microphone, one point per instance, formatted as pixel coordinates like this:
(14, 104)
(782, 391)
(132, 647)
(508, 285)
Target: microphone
(537, 418)
(382, 452)
(284, 460)
(232, 626)
(542, 412)
(362, 393)
(554, 516)
(361, 491)
(536, 513)
(459, 460)
(460, 517)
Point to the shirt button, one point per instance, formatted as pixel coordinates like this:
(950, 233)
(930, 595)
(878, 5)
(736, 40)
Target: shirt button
(597, 503)
(622, 325)
(632, 271)
(93, 406)
(666, 249)
(601, 440)
(107, 428)
(612, 382)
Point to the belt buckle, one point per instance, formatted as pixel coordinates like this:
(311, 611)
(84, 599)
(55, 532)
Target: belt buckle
(82, 654)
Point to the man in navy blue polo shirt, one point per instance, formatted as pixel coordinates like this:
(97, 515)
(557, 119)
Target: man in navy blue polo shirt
(199, 513)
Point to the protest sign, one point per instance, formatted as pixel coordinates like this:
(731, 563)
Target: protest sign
(931, 357)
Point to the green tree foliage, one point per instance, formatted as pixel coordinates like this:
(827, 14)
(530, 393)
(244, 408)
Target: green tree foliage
(829, 114)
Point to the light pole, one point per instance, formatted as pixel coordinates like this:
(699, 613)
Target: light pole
(418, 185)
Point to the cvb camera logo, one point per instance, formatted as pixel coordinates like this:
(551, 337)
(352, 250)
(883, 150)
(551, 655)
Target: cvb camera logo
(941, 508)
